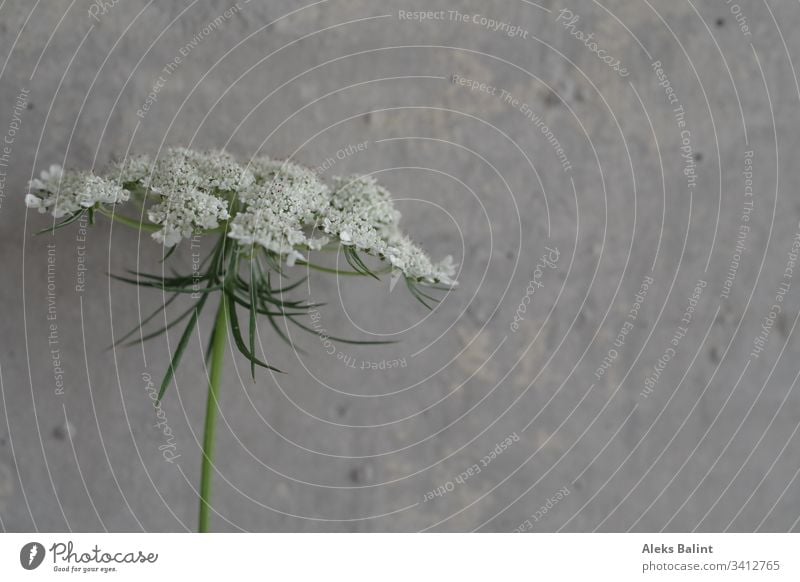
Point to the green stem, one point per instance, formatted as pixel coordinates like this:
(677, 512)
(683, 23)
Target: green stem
(128, 221)
(338, 271)
(218, 346)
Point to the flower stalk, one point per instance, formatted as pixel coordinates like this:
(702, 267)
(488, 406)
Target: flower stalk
(219, 344)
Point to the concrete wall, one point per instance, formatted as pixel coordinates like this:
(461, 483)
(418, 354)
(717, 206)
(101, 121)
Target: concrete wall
(625, 152)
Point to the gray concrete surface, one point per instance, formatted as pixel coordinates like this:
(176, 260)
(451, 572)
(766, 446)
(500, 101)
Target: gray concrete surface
(636, 190)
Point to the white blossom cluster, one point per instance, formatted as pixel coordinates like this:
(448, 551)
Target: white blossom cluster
(413, 262)
(361, 213)
(185, 212)
(278, 205)
(181, 169)
(279, 209)
(131, 170)
(65, 194)
(192, 186)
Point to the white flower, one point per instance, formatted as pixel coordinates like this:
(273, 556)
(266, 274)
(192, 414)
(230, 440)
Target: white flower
(32, 201)
(130, 170)
(181, 169)
(63, 194)
(295, 188)
(218, 169)
(293, 257)
(49, 177)
(361, 213)
(278, 205)
(280, 208)
(414, 263)
(445, 270)
(182, 213)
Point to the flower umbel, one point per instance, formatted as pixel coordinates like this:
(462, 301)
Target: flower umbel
(279, 206)
(267, 214)
(409, 258)
(64, 194)
(361, 213)
(183, 213)
(181, 169)
(280, 209)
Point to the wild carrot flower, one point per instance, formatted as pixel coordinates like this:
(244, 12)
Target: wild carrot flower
(280, 206)
(280, 209)
(64, 194)
(275, 211)
(184, 212)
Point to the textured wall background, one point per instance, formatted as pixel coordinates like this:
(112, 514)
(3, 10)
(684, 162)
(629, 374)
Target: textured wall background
(710, 443)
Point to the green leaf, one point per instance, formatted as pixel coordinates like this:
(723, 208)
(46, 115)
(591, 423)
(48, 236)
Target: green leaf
(63, 223)
(168, 254)
(358, 265)
(265, 295)
(313, 331)
(287, 288)
(145, 321)
(282, 334)
(360, 262)
(418, 295)
(273, 262)
(184, 341)
(167, 288)
(236, 332)
(175, 280)
(162, 330)
(252, 319)
(261, 309)
(425, 295)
